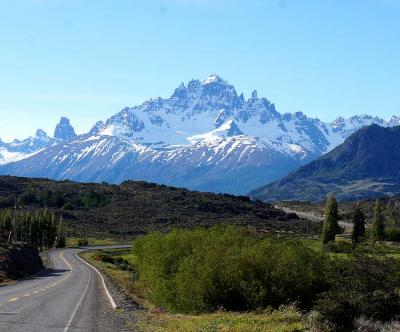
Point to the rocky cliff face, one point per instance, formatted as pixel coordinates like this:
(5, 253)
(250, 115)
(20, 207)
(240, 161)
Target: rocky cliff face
(64, 131)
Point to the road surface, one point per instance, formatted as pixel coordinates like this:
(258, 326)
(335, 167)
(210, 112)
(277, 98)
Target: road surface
(67, 297)
(317, 218)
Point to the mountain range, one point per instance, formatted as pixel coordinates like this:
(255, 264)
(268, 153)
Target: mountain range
(204, 137)
(365, 166)
(22, 149)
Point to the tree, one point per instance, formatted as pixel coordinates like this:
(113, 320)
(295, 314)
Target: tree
(391, 214)
(358, 224)
(61, 241)
(331, 219)
(378, 225)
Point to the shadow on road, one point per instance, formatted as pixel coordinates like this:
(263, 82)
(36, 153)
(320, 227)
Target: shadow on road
(46, 273)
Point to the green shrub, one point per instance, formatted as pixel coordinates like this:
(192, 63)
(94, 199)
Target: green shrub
(6, 202)
(105, 258)
(361, 285)
(27, 198)
(392, 234)
(67, 207)
(83, 242)
(225, 267)
(93, 199)
(339, 247)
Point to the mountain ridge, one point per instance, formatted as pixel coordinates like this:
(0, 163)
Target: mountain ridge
(205, 137)
(365, 166)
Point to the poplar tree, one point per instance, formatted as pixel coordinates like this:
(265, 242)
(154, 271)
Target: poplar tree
(61, 241)
(378, 225)
(358, 224)
(331, 219)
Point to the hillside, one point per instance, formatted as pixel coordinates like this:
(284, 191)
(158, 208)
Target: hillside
(365, 166)
(123, 211)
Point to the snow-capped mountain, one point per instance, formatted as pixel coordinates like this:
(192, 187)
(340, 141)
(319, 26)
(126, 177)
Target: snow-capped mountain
(64, 131)
(204, 137)
(22, 149)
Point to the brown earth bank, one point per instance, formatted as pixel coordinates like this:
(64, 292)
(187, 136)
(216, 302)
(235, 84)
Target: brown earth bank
(18, 260)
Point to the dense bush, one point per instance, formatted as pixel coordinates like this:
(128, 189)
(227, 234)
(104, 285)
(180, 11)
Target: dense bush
(392, 234)
(6, 202)
(232, 268)
(339, 247)
(84, 242)
(59, 199)
(203, 270)
(105, 258)
(27, 198)
(360, 286)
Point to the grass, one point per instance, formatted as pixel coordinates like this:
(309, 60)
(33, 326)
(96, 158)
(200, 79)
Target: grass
(73, 242)
(150, 319)
(286, 319)
(314, 243)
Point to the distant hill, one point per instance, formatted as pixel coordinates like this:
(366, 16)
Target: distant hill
(132, 208)
(366, 165)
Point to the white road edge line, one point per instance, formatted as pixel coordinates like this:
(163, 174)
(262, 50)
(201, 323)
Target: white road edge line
(110, 298)
(77, 307)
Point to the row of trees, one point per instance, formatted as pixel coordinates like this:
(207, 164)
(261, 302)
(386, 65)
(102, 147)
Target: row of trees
(331, 222)
(40, 228)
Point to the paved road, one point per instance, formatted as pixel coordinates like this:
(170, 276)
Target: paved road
(68, 297)
(315, 217)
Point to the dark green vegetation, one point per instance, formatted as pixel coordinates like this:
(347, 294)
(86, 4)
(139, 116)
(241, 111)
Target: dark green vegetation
(360, 284)
(364, 166)
(119, 266)
(382, 217)
(331, 219)
(132, 208)
(378, 224)
(358, 220)
(17, 261)
(205, 270)
(38, 229)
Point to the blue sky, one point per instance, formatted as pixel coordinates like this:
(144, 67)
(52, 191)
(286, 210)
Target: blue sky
(87, 59)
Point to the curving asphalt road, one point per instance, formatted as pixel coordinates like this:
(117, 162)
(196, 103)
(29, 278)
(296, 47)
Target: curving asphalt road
(314, 217)
(67, 297)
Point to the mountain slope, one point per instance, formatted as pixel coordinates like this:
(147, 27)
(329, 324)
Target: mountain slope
(366, 165)
(204, 137)
(22, 149)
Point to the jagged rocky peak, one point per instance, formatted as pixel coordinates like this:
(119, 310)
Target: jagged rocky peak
(64, 131)
(213, 78)
(41, 138)
(96, 128)
(394, 120)
(40, 133)
(233, 129)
